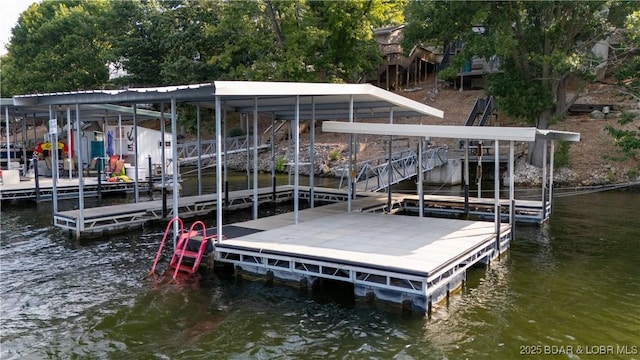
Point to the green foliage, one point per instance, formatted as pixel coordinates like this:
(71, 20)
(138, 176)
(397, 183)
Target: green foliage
(627, 140)
(235, 132)
(67, 44)
(542, 46)
(281, 161)
(58, 45)
(334, 155)
(561, 154)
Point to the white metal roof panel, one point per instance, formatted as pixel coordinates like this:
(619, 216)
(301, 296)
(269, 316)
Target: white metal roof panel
(441, 131)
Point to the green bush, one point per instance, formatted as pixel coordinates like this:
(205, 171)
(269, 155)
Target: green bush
(334, 155)
(281, 161)
(561, 155)
(235, 132)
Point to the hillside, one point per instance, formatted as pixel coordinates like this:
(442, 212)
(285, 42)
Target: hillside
(593, 161)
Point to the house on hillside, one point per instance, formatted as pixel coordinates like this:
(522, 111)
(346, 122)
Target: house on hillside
(401, 71)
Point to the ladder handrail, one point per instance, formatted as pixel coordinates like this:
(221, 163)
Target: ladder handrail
(164, 238)
(186, 242)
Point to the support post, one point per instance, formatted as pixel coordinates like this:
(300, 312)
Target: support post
(37, 179)
(273, 159)
(420, 179)
(551, 166)
(150, 190)
(136, 188)
(496, 191)
(54, 160)
(199, 145)
(218, 169)
(296, 168)
(349, 172)
(466, 177)
(174, 164)
(164, 161)
(544, 182)
(255, 158)
(312, 153)
(80, 226)
(512, 215)
(389, 170)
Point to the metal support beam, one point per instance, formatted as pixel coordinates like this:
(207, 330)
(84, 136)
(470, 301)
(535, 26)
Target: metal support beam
(296, 168)
(312, 153)
(255, 157)
(218, 169)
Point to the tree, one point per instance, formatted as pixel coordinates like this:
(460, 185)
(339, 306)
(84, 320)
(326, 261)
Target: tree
(628, 82)
(58, 45)
(542, 47)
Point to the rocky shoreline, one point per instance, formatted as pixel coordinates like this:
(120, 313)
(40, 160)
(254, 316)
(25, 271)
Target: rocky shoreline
(525, 174)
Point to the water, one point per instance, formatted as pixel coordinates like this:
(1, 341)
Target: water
(571, 283)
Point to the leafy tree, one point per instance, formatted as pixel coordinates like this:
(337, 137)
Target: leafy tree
(542, 46)
(58, 46)
(628, 81)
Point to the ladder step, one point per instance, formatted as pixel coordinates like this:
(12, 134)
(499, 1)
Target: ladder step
(185, 253)
(185, 268)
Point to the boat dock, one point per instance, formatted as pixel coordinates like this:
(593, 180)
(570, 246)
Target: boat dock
(114, 218)
(65, 189)
(408, 260)
(108, 219)
(361, 239)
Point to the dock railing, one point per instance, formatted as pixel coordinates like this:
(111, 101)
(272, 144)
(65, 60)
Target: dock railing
(373, 175)
(188, 151)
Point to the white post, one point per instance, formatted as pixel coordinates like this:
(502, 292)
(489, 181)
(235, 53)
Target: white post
(218, 170)
(199, 145)
(255, 158)
(511, 190)
(296, 179)
(174, 163)
(544, 181)
(551, 164)
(312, 152)
(496, 190)
(6, 120)
(349, 177)
(136, 188)
(420, 179)
(69, 154)
(80, 224)
(54, 158)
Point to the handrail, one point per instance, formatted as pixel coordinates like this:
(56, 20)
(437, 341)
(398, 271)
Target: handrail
(188, 152)
(164, 238)
(488, 109)
(186, 242)
(373, 174)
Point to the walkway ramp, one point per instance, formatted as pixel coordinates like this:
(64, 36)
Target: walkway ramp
(377, 174)
(188, 151)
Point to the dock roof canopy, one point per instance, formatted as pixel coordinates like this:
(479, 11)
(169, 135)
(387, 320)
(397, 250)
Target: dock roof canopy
(452, 132)
(322, 100)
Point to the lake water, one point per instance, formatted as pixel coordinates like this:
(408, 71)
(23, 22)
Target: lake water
(572, 285)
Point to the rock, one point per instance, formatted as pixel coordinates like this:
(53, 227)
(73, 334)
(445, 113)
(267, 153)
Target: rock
(597, 114)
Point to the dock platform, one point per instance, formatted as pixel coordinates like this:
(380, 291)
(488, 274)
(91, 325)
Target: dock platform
(108, 219)
(408, 260)
(105, 219)
(65, 189)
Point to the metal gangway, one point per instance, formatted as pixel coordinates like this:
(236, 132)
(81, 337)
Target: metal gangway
(376, 174)
(188, 151)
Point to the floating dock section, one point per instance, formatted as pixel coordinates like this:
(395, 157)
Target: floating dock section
(414, 261)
